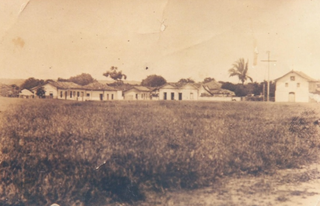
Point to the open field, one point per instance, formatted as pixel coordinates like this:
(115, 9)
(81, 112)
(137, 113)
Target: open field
(131, 152)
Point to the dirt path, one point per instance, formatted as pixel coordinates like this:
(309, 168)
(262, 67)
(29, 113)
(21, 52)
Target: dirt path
(290, 187)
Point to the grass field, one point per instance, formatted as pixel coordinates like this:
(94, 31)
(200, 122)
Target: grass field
(103, 152)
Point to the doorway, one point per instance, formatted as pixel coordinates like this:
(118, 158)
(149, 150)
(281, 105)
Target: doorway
(172, 95)
(292, 97)
(180, 96)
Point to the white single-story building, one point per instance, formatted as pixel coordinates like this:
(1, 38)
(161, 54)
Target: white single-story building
(179, 91)
(138, 93)
(295, 86)
(210, 91)
(26, 93)
(72, 91)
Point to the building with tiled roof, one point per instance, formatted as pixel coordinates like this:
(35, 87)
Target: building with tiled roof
(195, 91)
(73, 91)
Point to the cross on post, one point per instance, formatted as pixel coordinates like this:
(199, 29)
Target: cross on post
(268, 86)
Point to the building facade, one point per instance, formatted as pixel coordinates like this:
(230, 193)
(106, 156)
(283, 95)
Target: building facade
(295, 86)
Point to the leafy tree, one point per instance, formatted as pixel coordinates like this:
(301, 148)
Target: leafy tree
(240, 69)
(115, 74)
(82, 79)
(63, 80)
(41, 92)
(153, 81)
(188, 80)
(31, 82)
(208, 79)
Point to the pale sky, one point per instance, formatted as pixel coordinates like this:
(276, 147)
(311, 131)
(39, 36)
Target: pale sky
(177, 39)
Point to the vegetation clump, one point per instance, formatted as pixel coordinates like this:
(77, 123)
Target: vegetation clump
(99, 152)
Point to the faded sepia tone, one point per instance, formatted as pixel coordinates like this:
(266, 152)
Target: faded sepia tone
(203, 142)
(176, 39)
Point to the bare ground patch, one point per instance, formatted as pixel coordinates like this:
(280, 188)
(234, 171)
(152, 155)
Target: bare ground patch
(292, 187)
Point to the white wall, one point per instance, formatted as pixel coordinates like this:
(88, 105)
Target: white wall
(301, 93)
(186, 94)
(49, 89)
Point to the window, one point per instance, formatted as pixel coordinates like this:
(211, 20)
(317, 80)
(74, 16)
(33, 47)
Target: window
(70, 94)
(286, 84)
(78, 94)
(88, 94)
(136, 96)
(61, 94)
(292, 78)
(165, 96)
(298, 84)
(111, 96)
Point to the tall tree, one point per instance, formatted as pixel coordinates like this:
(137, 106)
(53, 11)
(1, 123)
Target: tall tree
(240, 69)
(153, 81)
(115, 74)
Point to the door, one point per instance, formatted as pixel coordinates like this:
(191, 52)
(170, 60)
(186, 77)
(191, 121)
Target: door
(292, 97)
(180, 96)
(101, 97)
(172, 95)
(165, 96)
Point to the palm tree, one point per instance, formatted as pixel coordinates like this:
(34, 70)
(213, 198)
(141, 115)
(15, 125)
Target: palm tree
(240, 69)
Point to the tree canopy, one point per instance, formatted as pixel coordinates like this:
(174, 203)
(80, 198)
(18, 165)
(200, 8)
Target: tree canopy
(41, 92)
(208, 79)
(115, 74)
(153, 81)
(31, 82)
(188, 80)
(240, 69)
(81, 79)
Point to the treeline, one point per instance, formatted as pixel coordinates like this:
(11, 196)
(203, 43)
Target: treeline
(250, 89)
(254, 90)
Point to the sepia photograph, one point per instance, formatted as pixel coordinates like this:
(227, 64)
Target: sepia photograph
(160, 102)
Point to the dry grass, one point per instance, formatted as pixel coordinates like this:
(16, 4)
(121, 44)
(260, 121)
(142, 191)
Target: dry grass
(100, 152)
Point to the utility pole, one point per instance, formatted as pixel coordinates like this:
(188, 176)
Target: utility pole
(268, 85)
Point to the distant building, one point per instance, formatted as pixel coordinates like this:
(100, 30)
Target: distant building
(72, 91)
(179, 91)
(213, 89)
(210, 91)
(27, 94)
(295, 86)
(138, 93)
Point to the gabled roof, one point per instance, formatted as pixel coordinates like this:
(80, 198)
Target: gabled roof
(222, 91)
(301, 74)
(26, 92)
(179, 85)
(141, 89)
(65, 85)
(98, 86)
(212, 85)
